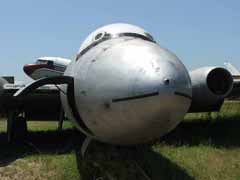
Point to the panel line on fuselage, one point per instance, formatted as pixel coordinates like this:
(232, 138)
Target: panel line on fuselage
(75, 113)
(183, 95)
(135, 97)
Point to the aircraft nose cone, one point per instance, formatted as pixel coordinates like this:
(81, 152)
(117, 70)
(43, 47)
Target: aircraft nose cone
(145, 93)
(31, 68)
(167, 82)
(28, 69)
(164, 73)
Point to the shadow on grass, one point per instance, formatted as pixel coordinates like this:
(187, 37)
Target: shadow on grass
(42, 142)
(101, 161)
(221, 132)
(107, 162)
(111, 162)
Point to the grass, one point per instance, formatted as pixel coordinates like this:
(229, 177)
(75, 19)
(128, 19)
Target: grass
(203, 146)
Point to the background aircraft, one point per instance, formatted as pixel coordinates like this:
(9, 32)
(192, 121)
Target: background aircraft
(236, 77)
(34, 105)
(124, 88)
(233, 70)
(46, 67)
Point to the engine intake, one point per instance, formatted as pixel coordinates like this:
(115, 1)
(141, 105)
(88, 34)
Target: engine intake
(210, 85)
(219, 81)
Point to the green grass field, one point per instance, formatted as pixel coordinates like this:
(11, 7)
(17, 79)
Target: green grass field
(203, 146)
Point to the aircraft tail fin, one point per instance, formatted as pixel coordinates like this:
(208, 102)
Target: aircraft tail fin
(233, 70)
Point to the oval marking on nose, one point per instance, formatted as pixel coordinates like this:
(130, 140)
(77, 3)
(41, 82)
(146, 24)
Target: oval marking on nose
(84, 93)
(166, 81)
(107, 105)
(157, 69)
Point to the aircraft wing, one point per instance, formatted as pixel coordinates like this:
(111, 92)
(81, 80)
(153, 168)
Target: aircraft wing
(41, 104)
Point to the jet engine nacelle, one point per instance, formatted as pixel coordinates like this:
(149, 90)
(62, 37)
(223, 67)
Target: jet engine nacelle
(210, 85)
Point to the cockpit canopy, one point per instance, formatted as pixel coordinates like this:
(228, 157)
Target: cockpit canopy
(57, 61)
(47, 62)
(114, 30)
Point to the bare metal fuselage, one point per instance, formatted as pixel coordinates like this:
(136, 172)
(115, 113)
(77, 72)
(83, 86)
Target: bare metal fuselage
(127, 91)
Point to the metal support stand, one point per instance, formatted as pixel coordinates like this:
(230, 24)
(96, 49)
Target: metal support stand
(16, 126)
(11, 117)
(85, 145)
(61, 119)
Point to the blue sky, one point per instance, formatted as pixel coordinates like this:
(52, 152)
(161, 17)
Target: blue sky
(201, 33)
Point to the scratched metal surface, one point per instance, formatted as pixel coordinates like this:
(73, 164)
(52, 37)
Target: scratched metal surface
(122, 68)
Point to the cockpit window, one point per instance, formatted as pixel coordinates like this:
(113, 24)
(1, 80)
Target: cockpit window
(149, 36)
(99, 36)
(50, 63)
(42, 62)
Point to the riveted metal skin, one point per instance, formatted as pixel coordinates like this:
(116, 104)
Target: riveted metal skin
(128, 91)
